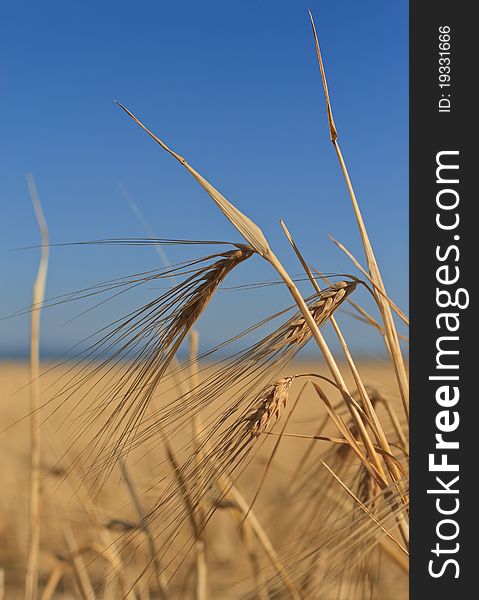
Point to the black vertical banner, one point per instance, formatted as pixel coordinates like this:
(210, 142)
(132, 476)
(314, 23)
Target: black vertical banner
(444, 265)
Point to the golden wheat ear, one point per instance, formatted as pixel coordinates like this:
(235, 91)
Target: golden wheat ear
(269, 407)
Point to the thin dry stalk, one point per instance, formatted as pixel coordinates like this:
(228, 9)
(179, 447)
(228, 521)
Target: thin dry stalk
(31, 578)
(201, 564)
(196, 526)
(394, 551)
(193, 351)
(103, 552)
(183, 487)
(201, 571)
(394, 470)
(394, 419)
(52, 584)
(79, 569)
(330, 439)
(353, 443)
(160, 575)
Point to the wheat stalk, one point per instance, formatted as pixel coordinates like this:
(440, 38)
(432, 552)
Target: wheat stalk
(31, 578)
(393, 346)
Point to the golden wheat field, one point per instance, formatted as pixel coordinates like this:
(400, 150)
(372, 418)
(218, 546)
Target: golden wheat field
(101, 528)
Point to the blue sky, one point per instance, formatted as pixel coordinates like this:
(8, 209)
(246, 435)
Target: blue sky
(235, 88)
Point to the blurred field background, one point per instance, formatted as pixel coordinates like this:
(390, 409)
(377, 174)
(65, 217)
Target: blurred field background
(63, 511)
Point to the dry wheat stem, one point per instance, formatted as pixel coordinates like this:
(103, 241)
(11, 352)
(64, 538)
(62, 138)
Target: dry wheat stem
(31, 578)
(369, 464)
(248, 541)
(109, 591)
(355, 538)
(333, 440)
(196, 525)
(369, 408)
(395, 472)
(55, 577)
(393, 345)
(394, 419)
(318, 493)
(201, 564)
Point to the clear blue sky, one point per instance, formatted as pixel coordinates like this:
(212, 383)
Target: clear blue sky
(234, 87)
